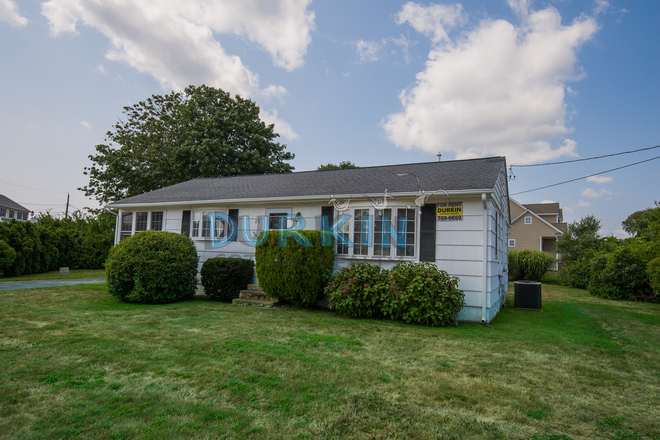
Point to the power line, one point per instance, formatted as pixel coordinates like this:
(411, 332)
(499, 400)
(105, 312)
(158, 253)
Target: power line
(584, 177)
(36, 189)
(41, 204)
(586, 158)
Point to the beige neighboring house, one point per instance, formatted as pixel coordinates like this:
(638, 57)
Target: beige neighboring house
(536, 226)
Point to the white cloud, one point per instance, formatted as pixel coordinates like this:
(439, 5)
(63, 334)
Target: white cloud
(599, 179)
(598, 193)
(548, 201)
(282, 127)
(173, 40)
(273, 91)
(433, 20)
(101, 69)
(86, 124)
(581, 204)
(368, 50)
(405, 44)
(9, 13)
(497, 89)
(601, 6)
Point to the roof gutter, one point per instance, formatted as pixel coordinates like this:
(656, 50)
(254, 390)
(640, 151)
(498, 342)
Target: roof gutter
(119, 205)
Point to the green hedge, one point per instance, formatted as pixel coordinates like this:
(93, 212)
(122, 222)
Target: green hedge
(529, 265)
(79, 242)
(223, 278)
(415, 293)
(153, 267)
(7, 257)
(291, 272)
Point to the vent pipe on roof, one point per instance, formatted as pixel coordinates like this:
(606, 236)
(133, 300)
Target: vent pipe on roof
(439, 156)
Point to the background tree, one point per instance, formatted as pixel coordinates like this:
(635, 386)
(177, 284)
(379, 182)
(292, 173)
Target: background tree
(644, 224)
(342, 165)
(579, 236)
(202, 132)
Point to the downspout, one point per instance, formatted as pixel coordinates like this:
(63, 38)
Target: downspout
(484, 292)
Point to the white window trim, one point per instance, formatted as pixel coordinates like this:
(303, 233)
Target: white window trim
(224, 211)
(134, 221)
(372, 215)
(530, 220)
(512, 242)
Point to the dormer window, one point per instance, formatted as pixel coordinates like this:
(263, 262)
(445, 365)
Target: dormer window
(528, 220)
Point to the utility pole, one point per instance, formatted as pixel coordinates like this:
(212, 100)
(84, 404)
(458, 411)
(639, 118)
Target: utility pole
(66, 214)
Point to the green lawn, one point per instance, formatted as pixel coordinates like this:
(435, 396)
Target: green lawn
(75, 363)
(55, 275)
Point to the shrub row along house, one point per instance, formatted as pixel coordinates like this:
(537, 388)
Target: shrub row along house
(454, 214)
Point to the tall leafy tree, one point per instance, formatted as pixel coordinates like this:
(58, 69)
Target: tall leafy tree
(201, 132)
(579, 236)
(644, 224)
(342, 165)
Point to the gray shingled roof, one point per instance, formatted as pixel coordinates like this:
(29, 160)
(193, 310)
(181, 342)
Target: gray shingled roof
(6, 202)
(472, 174)
(543, 208)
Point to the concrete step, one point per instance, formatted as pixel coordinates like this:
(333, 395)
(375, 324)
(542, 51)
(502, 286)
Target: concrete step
(254, 302)
(254, 287)
(252, 294)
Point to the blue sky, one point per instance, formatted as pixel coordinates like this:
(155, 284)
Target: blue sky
(373, 82)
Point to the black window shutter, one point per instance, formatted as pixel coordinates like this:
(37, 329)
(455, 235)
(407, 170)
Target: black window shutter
(233, 214)
(427, 230)
(329, 212)
(185, 224)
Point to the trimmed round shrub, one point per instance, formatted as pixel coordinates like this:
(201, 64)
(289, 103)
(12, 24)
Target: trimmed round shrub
(293, 272)
(356, 291)
(153, 267)
(223, 278)
(420, 293)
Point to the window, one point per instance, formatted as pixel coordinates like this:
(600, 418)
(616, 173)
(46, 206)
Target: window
(512, 242)
(343, 249)
(382, 231)
(372, 230)
(277, 221)
(406, 229)
(126, 225)
(19, 215)
(134, 222)
(201, 225)
(361, 223)
(3, 212)
(141, 221)
(528, 220)
(156, 221)
(11, 213)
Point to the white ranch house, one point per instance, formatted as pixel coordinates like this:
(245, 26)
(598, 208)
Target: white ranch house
(453, 213)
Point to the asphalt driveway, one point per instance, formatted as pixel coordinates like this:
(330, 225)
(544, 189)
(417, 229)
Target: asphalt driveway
(15, 285)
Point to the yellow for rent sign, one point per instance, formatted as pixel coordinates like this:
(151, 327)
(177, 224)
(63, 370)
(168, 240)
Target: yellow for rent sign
(450, 211)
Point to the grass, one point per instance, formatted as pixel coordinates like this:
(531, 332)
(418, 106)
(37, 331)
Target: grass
(75, 363)
(55, 275)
